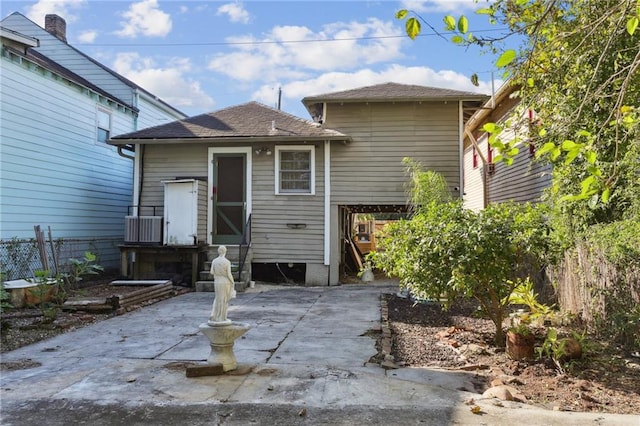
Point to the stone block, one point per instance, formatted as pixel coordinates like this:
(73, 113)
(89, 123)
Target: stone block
(205, 370)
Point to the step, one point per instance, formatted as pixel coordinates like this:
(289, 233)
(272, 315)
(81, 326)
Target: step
(208, 286)
(206, 275)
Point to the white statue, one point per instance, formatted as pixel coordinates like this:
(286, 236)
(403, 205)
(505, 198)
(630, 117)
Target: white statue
(224, 287)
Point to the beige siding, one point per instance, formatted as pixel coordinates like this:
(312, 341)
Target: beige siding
(523, 181)
(369, 169)
(272, 240)
(203, 204)
(166, 162)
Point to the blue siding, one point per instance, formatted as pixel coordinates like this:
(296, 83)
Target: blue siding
(69, 58)
(54, 171)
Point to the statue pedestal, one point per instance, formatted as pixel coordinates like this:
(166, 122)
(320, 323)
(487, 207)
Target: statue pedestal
(222, 337)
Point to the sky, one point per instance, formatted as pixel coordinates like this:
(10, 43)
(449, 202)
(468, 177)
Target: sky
(202, 56)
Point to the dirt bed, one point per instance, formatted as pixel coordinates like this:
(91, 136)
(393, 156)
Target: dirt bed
(606, 379)
(21, 327)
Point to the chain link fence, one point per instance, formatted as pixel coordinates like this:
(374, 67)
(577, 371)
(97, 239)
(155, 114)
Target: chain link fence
(20, 258)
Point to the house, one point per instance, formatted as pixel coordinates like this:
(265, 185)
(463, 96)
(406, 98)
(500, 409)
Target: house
(488, 182)
(289, 187)
(59, 107)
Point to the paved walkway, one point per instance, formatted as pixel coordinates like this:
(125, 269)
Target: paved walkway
(305, 361)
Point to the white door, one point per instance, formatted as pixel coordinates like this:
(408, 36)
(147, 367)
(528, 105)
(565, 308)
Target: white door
(180, 212)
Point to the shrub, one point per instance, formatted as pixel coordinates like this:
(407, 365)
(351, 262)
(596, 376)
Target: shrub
(446, 251)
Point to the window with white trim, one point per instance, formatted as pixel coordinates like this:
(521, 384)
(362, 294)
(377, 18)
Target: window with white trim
(295, 170)
(103, 123)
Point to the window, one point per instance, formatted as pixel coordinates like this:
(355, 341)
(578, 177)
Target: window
(103, 124)
(475, 157)
(295, 170)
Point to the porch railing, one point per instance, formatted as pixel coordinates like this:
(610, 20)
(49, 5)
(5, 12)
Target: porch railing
(243, 248)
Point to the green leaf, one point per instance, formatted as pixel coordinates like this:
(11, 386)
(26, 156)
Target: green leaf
(490, 127)
(632, 25)
(594, 171)
(591, 157)
(402, 13)
(450, 23)
(568, 145)
(497, 158)
(474, 80)
(606, 194)
(463, 24)
(587, 183)
(542, 133)
(506, 58)
(547, 147)
(457, 39)
(484, 11)
(508, 161)
(530, 82)
(412, 28)
(574, 197)
(513, 152)
(571, 155)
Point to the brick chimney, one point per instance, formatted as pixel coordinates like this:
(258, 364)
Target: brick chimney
(56, 26)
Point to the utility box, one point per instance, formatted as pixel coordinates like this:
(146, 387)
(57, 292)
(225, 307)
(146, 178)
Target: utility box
(185, 211)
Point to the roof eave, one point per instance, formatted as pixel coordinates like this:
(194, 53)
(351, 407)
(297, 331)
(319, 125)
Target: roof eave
(479, 118)
(311, 101)
(239, 139)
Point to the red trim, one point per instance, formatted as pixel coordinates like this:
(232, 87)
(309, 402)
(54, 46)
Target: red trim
(475, 158)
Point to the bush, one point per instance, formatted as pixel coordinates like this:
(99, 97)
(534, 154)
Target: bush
(446, 251)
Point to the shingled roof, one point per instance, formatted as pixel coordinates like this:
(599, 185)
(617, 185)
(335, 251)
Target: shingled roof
(392, 92)
(250, 121)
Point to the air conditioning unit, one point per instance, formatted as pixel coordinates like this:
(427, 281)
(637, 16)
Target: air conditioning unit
(143, 229)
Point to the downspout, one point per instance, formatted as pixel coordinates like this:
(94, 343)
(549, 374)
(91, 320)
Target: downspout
(460, 149)
(138, 175)
(327, 203)
(122, 154)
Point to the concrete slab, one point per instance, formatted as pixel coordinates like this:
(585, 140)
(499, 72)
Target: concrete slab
(331, 351)
(305, 361)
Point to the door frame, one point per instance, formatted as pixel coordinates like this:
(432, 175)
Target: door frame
(248, 184)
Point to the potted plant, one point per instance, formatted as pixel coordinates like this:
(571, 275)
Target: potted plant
(520, 342)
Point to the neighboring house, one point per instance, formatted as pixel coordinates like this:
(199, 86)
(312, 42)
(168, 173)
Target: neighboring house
(298, 181)
(486, 182)
(58, 109)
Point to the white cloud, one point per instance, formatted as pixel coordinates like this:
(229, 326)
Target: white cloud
(235, 11)
(337, 46)
(426, 6)
(88, 36)
(145, 18)
(336, 81)
(168, 83)
(62, 8)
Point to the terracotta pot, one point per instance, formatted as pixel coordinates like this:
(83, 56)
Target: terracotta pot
(40, 294)
(520, 346)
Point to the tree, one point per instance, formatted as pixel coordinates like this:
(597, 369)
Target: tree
(577, 66)
(445, 251)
